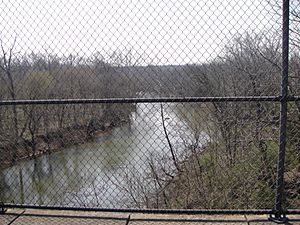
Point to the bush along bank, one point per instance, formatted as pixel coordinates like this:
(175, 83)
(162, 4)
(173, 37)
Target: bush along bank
(55, 140)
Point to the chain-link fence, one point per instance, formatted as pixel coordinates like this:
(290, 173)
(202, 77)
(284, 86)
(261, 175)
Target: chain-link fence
(144, 105)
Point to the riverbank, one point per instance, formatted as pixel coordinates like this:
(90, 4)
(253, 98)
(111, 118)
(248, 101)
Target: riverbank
(206, 180)
(57, 140)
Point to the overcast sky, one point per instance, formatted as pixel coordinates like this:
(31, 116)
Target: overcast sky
(160, 31)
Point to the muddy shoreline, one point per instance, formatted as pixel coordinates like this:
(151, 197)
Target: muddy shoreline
(57, 140)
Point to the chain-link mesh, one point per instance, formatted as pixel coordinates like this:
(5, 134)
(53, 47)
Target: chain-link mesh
(292, 191)
(134, 104)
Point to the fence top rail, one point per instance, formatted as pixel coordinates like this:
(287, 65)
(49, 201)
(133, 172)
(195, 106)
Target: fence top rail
(147, 100)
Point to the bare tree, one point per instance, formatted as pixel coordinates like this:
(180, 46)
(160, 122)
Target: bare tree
(6, 67)
(257, 57)
(294, 19)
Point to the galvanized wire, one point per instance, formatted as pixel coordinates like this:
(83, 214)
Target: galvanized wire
(156, 106)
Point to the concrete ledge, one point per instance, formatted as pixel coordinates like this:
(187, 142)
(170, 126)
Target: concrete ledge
(51, 217)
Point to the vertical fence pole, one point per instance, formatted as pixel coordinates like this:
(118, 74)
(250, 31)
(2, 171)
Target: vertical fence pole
(2, 210)
(278, 209)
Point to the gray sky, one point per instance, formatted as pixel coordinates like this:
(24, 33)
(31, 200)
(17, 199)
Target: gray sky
(161, 32)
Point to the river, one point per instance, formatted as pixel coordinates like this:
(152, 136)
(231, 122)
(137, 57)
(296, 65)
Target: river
(109, 171)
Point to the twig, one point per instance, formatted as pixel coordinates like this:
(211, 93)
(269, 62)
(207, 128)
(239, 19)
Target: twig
(167, 137)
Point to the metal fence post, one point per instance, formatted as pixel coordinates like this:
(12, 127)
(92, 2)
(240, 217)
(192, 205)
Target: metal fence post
(278, 212)
(2, 210)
